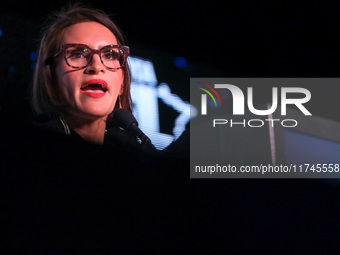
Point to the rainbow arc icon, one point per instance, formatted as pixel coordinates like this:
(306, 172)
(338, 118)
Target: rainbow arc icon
(204, 98)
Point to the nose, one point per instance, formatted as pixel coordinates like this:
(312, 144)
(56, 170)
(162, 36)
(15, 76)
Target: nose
(95, 66)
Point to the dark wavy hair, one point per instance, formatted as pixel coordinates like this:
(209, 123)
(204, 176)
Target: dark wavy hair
(44, 93)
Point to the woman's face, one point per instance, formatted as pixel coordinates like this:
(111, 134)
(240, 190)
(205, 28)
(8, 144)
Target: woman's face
(92, 102)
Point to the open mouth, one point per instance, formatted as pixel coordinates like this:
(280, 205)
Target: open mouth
(95, 85)
(94, 88)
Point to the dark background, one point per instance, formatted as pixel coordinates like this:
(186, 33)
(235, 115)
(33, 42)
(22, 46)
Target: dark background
(244, 38)
(222, 39)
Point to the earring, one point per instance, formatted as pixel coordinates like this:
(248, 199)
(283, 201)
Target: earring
(120, 102)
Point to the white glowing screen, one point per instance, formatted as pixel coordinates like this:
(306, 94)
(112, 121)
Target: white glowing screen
(145, 92)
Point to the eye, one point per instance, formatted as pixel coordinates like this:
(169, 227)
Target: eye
(77, 53)
(110, 55)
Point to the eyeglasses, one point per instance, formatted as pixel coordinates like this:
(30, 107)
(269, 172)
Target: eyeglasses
(79, 56)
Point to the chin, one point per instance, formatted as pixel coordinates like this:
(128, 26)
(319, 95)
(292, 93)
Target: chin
(98, 111)
(99, 114)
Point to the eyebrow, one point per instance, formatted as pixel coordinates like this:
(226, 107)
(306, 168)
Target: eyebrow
(98, 46)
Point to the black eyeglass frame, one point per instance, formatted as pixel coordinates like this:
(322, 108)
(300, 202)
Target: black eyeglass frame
(63, 48)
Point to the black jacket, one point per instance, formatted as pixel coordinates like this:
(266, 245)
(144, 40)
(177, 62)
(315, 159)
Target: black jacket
(63, 195)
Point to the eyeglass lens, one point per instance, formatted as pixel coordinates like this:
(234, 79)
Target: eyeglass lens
(80, 56)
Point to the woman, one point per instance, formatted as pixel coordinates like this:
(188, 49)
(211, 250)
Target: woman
(97, 199)
(82, 74)
(78, 180)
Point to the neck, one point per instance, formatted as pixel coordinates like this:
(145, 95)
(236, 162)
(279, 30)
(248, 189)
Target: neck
(91, 130)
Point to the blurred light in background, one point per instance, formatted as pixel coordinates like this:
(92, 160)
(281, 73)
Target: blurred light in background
(181, 62)
(145, 93)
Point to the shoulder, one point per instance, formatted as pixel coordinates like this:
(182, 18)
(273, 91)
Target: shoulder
(51, 124)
